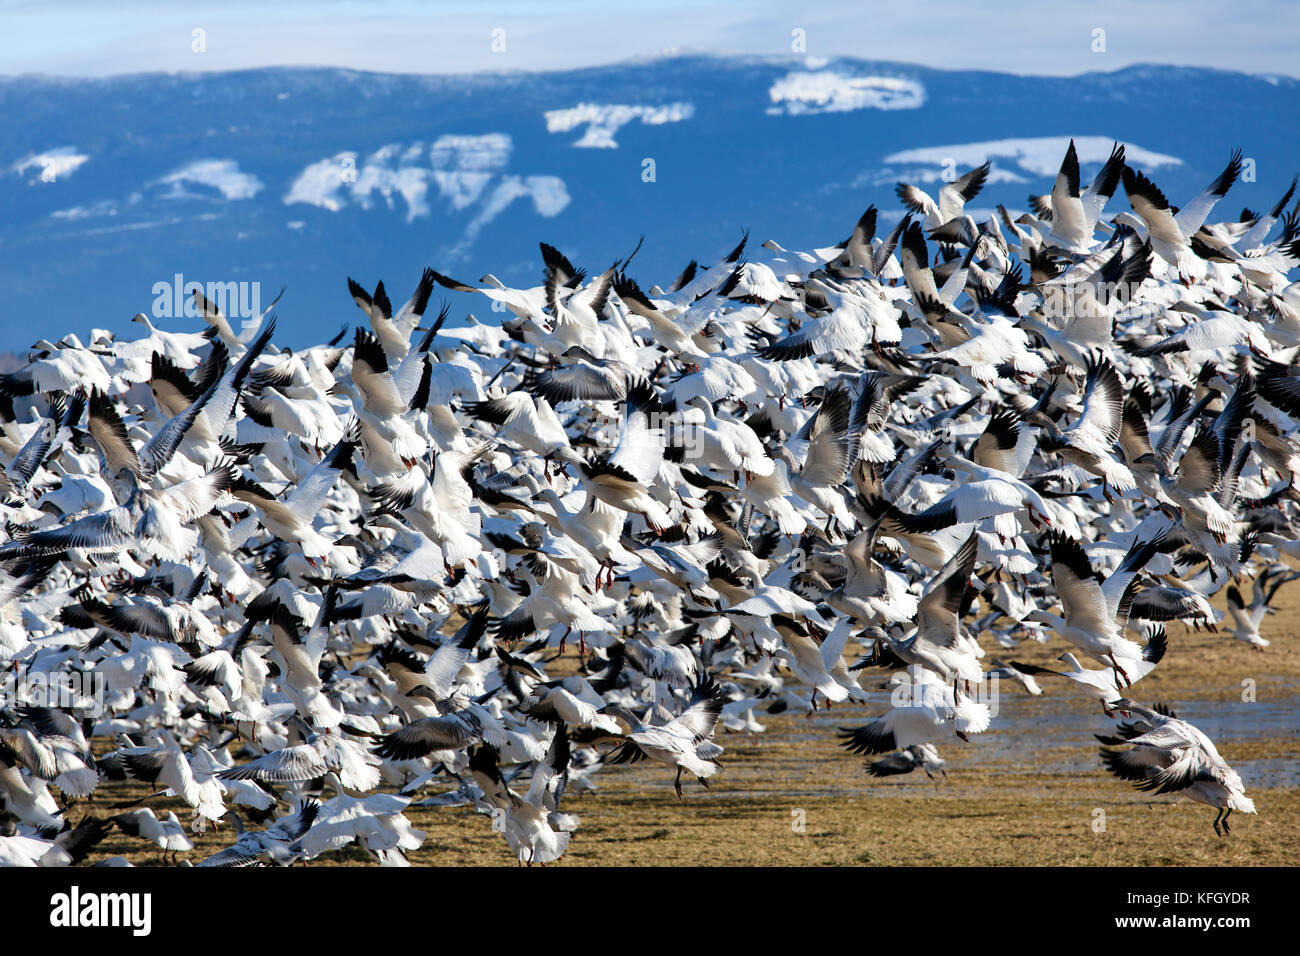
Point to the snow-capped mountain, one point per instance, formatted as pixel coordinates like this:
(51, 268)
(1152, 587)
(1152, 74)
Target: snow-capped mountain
(114, 193)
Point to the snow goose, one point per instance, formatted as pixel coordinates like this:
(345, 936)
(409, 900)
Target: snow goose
(1168, 755)
(551, 600)
(917, 756)
(989, 492)
(293, 517)
(1169, 232)
(439, 505)
(626, 477)
(953, 197)
(1095, 613)
(667, 331)
(856, 320)
(871, 593)
(1089, 443)
(813, 656)
(269, 846)
(165, 766)
(826, 463)
(1198, 489)
(528, 423)
(925, 709)
(389, 443)
(684, 742)
(1209, 334)
(375, 822)
(311, 760)
(298, 657)
(1074, 214)
(393, 330)
(453, 731)
(524, 821)
(167, 834)
(67, 365)
(1103, 683)
(45, 440)
(1079, 305)
(995, 345)
(938, 644)
(586, 378)
(721, 444)
(1246, 618)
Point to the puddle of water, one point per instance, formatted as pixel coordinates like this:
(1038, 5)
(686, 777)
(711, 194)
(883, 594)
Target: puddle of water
(1023, 728)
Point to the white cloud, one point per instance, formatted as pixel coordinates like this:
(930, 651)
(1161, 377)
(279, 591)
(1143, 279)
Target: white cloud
(222, 175)
(1040, 156)
(828, 91)
(603, 120)
(53, 164)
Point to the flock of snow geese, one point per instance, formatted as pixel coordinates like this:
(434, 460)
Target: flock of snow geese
(303, 591)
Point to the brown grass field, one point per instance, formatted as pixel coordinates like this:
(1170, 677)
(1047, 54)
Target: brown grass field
(1030, 791)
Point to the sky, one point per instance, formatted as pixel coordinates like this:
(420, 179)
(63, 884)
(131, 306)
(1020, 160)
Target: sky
(92, 38)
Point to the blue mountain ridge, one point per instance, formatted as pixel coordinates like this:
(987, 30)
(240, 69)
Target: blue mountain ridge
(188, 174)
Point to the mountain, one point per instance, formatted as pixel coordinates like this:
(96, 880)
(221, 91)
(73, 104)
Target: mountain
(112, 188)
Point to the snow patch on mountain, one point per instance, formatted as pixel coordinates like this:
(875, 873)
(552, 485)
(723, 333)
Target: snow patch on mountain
(223, 175)
(51, 165)
(920, 175)
(468, 172)
(1039, 156)
(549, 195)
(464, 165)
(829, 91)
(603, 120)
(391, 171)
(105, 207)
(320, 183)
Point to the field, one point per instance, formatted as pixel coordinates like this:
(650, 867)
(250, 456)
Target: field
(1031, 791)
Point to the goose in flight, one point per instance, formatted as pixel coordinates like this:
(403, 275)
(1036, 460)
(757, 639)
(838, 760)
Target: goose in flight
(271, 846)
(684, 742)
(926, 709)
(953, 197)
(938, 644)
(1170, 233)
(916, 757)
(1160, 753)
(1074, 213)
(1103, 683)
(1247, 618)
(1095, 613)
(393, 330)
(585, 378)
(167, 834)
(626, 478)
(1091, 440)
(292, 518)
